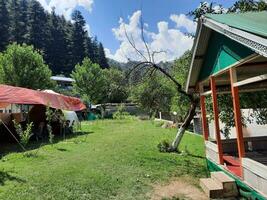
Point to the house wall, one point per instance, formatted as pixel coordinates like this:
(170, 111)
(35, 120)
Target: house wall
(255, 175)
(252, 129)
(212, 151)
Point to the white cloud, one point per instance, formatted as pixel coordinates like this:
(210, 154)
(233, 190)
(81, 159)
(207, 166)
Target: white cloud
(183, 21)
(109, 54)
(171, 41)
(44, 4)
(219, 9)
(66, 7)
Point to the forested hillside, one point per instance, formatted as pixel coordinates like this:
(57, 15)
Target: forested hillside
(62, 43)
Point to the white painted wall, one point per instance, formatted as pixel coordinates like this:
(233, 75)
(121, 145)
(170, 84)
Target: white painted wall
(252, 130)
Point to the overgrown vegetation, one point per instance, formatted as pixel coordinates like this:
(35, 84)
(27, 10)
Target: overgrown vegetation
(24, 135)
(165, 146)
(121, 113)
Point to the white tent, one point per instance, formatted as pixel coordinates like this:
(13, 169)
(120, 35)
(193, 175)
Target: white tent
(71, 116)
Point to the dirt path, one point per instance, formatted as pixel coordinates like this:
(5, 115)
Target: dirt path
(182, 189)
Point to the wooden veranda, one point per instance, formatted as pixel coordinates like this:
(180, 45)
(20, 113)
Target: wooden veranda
(230, 56)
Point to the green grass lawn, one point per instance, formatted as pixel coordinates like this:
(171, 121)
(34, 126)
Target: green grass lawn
(113, 160)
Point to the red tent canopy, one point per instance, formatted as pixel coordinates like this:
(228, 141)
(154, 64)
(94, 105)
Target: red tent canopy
(18, 95)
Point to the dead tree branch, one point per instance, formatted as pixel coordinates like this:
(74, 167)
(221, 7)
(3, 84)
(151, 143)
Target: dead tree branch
(151, 64)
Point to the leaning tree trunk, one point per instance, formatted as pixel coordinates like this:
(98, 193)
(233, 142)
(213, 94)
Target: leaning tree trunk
(191, 113)
(180, 133)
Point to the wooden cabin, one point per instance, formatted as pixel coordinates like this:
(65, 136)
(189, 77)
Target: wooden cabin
(230, 56)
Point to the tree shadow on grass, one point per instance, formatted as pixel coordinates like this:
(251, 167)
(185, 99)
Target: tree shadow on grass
(195, 156)
(6, 148)
(5, 176)
(62, 149)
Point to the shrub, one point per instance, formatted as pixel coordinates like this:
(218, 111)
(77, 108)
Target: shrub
(121, 113)
(165, 146)
(24, 135)
(158, 123)
(50, 114)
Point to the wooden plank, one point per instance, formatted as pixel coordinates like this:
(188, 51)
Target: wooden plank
(232, 160)
(237, 64)
(251, 80)
(255, 167)
(237, 114)
(203, 115)
(205, 93)
(212, 146)
(216, 118)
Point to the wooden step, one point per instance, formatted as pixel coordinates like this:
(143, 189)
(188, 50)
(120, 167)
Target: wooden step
(235, 170)
(211, 188)
(230, 160)
(228, 183)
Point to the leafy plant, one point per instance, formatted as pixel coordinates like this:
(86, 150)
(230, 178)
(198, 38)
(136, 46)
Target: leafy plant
(121, 113)
(165, 146)
(90, 82)
(21, 65)
(49, 116)
(158, 123)
(50, 134)
(153, 94)
(24, 135)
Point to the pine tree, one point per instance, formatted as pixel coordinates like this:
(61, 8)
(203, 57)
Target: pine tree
(68, 64)
(63, 43)
(4, 25)
(78, 38)
(89, 48)
(18, 21)
(23, 18)
(95, 50)
(102, 60)
(38, 27)
(14, 21)
(57, 50)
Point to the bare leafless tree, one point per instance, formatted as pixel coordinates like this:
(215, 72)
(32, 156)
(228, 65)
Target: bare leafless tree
(150, 66)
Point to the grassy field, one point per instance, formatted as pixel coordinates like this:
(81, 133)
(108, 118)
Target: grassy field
(113, 160)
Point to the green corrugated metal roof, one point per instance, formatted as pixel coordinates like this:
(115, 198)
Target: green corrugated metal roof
(253, 22)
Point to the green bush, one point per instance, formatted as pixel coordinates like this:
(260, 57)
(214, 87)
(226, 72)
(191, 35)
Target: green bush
(121, 113)
(165, 146)
(158, 123)
(24, 135)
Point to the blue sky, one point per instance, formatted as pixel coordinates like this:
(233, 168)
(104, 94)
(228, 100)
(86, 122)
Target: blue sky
(106, 18)
(106, 13)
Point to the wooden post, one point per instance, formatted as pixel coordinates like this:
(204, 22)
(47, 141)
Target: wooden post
(203, 114)
(237, 114)
(216, 118)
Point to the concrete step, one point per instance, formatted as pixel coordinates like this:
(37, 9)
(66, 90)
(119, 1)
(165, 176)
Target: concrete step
(228, 183)
(211, 188)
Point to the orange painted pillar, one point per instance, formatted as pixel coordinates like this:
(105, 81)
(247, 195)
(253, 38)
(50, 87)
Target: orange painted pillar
(237, 114)
(216, 118)
(204, 118)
